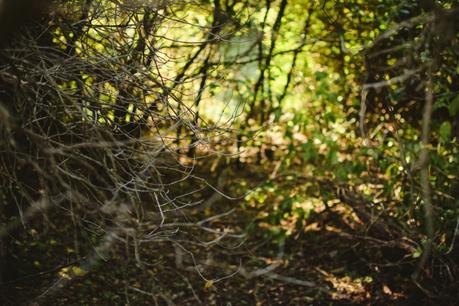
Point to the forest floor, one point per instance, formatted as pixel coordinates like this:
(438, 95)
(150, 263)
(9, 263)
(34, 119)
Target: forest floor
(328, 261)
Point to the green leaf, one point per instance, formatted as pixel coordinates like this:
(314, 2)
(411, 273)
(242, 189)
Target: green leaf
(320, 75)
(453, 107)
(445, 131)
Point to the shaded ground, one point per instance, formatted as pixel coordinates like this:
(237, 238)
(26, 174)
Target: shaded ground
(326, 260)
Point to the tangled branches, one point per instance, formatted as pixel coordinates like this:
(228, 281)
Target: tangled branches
(97, 103)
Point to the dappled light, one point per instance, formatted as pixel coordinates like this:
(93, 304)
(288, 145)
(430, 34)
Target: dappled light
(229, 152)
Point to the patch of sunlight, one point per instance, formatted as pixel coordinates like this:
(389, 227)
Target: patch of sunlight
(347, 286)
(222, 108)
(288, 223)
(369, 189)
(313, 227)
(310, 204)
(71, 272)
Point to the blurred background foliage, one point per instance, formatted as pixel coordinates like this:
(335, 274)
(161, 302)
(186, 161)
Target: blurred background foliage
(311, 109)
